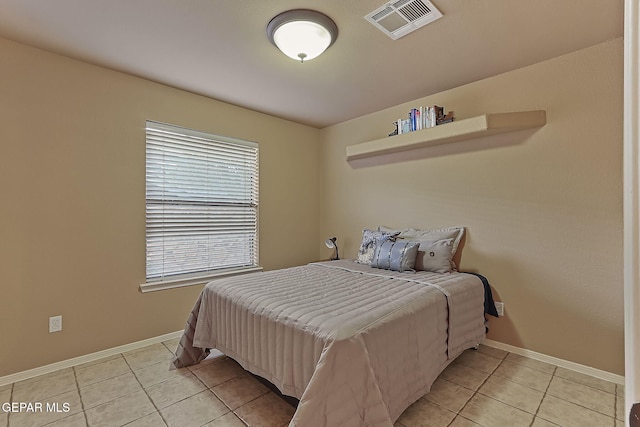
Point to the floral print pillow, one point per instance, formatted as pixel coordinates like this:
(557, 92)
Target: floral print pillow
(370, 238)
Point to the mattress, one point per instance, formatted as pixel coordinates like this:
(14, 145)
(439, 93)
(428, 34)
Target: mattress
(356, 345)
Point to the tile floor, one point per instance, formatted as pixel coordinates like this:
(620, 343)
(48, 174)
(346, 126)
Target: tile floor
(488, 387)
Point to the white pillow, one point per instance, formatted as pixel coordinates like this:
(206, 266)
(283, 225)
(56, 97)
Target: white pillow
(454, 233)
(405, 233)
(434, 255)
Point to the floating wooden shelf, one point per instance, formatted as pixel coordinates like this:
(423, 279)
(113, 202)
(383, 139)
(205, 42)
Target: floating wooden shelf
(466, 129)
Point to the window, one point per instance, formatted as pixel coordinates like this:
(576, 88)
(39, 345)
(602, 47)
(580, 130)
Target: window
(201, 206)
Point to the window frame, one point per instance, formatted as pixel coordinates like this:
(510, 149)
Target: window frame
(200, 139)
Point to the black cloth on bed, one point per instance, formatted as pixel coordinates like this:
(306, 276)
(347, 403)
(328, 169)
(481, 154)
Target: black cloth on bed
(489, 304)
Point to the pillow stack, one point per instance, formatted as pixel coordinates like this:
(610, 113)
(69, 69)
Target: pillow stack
(409, 249)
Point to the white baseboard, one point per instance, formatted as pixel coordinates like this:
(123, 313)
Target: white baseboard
(587, 370)
(20, 376)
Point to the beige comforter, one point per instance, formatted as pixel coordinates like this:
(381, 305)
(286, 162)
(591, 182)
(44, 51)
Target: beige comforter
(356, 345)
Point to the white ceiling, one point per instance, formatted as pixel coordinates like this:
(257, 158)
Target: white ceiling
(219, 48)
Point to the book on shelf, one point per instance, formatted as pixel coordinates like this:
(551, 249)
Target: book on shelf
(422, 118)
(448, 118)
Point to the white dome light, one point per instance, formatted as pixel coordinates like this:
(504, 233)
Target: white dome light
(302, 34)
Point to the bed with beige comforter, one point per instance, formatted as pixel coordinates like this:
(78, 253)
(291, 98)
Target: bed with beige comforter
(356, 345)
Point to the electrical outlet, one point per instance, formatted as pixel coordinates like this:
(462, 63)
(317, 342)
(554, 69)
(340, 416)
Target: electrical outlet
(500, 308)
(55, 324)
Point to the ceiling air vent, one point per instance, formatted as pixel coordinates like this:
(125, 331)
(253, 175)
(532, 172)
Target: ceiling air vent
(399, 18)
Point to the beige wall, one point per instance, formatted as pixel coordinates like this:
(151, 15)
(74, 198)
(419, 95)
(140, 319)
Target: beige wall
(72, 227)
(543, 210)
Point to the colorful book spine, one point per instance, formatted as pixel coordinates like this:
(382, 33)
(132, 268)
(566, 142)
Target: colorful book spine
(423, 118)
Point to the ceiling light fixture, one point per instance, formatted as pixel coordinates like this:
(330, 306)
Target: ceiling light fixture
(302, 34)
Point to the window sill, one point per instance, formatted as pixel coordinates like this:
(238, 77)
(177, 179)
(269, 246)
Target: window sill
(194, 280)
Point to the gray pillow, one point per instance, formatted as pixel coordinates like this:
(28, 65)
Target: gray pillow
(435, 255)
(396, 256)
(369, 240)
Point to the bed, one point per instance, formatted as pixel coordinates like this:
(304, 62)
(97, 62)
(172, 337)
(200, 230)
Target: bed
(355, 344)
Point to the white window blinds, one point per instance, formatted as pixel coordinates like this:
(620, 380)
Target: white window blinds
(202, 203)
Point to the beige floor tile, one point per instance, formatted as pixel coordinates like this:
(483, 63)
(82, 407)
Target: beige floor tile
(171, 391)
(524, 375)
(461, 421)
(512, 394)
(157, 373)
(28, 381)
(40, 389)
(491, 351)
(569, 414)
(77, 420)
(108, 390)
(238, 391)
(5, 396)
(531, 363)
(448, 395)
(98, 361)
(539, 422)
(582, 395)
(423, 413)
(594, 382)
(120, 411)
(97, 372)
(146, 356)
(112, 394)
(172, 344)
(620, 407)
(465, 376)
(57, 411)
(227, 420)
(219, 372)
(213, 357)
(266, 411)
(491, 413)
(479, 361)
(196, 410)
(151, 420)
